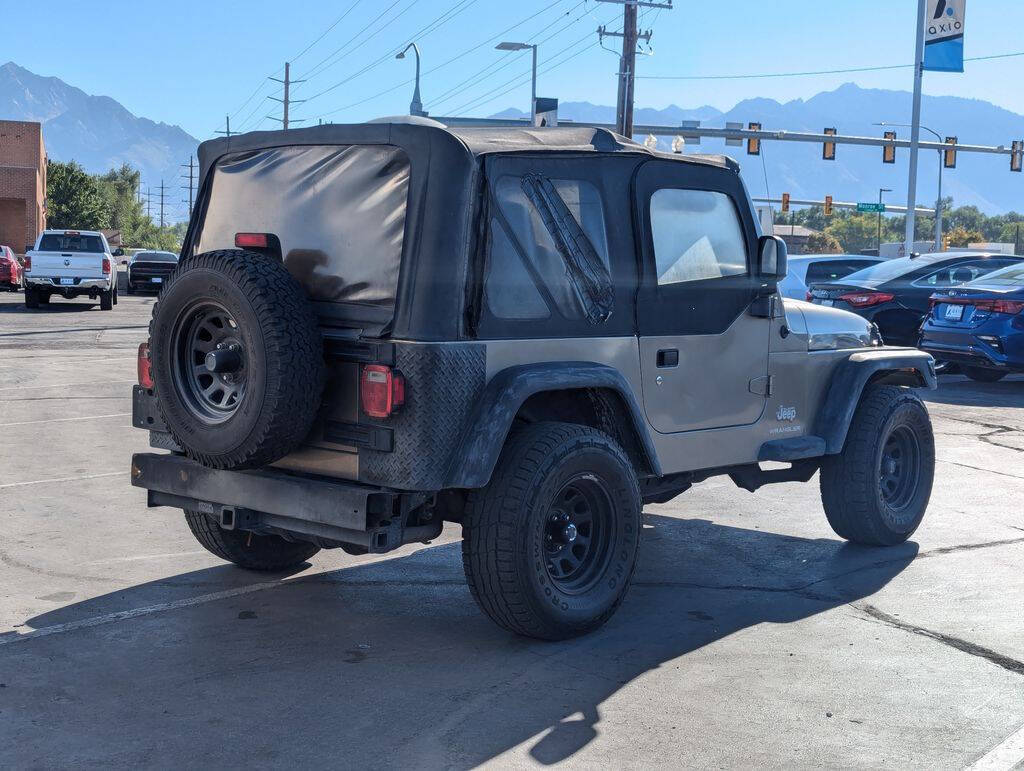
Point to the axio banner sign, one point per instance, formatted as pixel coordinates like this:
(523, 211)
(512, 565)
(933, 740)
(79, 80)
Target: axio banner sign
(944, 35)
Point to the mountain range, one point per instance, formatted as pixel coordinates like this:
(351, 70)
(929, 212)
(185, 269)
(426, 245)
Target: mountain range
(100, 133)
(857, 173)
(96, 131)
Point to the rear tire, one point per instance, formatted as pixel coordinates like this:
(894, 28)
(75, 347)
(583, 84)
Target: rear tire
(549, 546)
(31, 297)
(262, 406)
(107, 301)
(982, 375)
(245, 549)
(876, 490)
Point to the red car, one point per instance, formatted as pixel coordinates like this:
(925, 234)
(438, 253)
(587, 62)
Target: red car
(10, 270)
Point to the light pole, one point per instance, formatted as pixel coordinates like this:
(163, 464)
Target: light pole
(506, 46)
(416, 106)
(938, 201)
(880, 191)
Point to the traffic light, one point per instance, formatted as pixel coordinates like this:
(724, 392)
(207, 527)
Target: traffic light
(828, 151)
(785, 202)
(889, 151)
(828, 206)
(1017, 156)
(949, 156)
(754, 145)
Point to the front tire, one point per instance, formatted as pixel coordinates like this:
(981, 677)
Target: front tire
(245, 549)
(549, 546)
(982, 375)
(876, 490)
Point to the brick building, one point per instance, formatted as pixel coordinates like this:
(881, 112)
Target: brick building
(22, 183)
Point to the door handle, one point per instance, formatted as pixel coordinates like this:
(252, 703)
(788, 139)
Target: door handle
(668, 357)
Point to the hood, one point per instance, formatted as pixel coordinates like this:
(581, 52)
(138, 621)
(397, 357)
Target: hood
(831, 329)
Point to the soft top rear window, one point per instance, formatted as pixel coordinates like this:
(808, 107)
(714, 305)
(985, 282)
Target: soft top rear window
(338, 210)
(55, 242)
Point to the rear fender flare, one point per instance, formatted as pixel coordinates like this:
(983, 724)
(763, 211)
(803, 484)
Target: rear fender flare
(489, 424)
(903, 366)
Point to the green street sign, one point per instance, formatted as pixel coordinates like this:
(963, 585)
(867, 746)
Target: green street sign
(874, 208)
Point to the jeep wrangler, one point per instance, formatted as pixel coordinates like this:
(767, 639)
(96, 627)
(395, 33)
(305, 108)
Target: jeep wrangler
(377, 328)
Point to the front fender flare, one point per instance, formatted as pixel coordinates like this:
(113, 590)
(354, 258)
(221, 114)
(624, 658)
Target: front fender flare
(895, 366)
(487, 427)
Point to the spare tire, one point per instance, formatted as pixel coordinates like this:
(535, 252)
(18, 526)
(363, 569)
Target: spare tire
(237, 359)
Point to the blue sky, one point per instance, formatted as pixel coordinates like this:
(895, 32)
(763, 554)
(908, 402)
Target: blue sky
(192, 62)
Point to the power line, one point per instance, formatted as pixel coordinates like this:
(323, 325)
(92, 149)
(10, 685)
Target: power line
(458, 56)
(509, 59)
(324, 34)
(447, 16)
(318, 68)
(815, 72)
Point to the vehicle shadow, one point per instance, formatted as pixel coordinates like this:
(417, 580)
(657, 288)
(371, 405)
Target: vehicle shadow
(389, 664)
(960, 391)
(67, 306)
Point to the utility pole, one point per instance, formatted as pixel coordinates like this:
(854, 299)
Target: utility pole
(162, 189)
(149, 216)
(287, 101)
(227, 127)
(191, 176)
(627, 62)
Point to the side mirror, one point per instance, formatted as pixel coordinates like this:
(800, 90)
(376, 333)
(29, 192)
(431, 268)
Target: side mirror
(772, 260)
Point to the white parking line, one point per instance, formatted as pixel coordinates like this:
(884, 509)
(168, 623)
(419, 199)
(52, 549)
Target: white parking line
(136, 612)
(64, 420)
(64, 479)
(1003, 757)
(33, 386)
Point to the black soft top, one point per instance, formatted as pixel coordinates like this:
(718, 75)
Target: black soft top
(419, 136)
(444, 196)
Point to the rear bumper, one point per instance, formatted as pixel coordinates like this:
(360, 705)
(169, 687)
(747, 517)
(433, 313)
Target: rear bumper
(81, 285)
(325, 511)
(970, 355)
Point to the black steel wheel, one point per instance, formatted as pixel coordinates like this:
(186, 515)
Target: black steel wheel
(549, 546)
(875, 492)
(209, 367)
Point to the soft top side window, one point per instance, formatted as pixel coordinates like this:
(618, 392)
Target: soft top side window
(555, 229)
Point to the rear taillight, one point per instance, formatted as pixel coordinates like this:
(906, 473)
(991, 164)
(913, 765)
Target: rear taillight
(1010, 307)
(28, 264)
(106, 266)
(381, 391)
(809, 297)
(145, 367)
(251, 240)
(866, 299)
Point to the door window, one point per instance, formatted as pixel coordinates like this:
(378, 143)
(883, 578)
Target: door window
(697, 236)
(961, 273)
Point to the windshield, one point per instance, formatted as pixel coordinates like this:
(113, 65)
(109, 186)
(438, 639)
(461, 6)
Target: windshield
(54, 242)
(1011, 276)
(155, 257)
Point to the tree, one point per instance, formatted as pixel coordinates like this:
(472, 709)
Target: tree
(73, 198)
(962, 237)
(119, 190)
(823, 243)
(859, 232)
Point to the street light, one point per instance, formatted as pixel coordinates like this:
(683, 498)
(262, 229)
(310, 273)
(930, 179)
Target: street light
(880, 191)
(506, 46)
(938, 201)
(416, 106)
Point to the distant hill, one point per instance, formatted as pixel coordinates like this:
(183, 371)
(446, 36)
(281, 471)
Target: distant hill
(984, 181)
(96, 131)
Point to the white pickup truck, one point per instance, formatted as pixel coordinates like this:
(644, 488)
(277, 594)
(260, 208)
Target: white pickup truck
(70, 263)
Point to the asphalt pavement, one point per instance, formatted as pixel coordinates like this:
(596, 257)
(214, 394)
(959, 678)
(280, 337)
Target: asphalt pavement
(751, 636)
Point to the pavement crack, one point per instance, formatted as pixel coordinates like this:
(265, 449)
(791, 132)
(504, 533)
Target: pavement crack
(957, 643)
(978, 468)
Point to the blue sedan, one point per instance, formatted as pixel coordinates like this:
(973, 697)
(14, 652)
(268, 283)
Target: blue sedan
(980, 325)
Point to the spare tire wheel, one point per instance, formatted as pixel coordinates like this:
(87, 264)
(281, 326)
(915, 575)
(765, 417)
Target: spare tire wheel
(237, 359)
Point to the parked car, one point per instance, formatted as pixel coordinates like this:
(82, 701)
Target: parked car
(148, 270)
(895, 294)
(812, 268)
(980, 325)
(355, 349)
(70, 263)
(10, 270)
